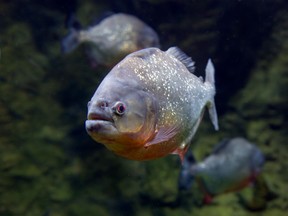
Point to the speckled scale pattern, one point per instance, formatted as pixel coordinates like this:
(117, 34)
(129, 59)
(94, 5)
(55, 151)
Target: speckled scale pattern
(181, 95)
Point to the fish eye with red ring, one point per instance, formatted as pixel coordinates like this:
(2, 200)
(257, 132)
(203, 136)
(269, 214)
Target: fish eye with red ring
(119, 108)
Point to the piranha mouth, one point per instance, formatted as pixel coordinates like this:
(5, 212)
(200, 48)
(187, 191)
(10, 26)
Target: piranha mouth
(99, 117)
(97, 122)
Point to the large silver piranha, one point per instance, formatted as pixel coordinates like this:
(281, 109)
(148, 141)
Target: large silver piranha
(151, 104)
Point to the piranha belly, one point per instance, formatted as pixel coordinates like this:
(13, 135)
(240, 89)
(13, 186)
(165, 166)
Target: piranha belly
(144, 153)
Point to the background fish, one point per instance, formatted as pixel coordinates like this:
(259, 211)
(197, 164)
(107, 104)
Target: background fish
(151, 105)
(112, 39)
(232, 165)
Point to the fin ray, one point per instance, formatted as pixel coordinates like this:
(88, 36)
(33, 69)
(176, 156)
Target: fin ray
(182, 57)
(163, 134)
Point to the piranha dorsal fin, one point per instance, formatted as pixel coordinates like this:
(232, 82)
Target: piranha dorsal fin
(182, 57)
(163, 134)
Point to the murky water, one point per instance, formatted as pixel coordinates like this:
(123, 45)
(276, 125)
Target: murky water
(50, 166)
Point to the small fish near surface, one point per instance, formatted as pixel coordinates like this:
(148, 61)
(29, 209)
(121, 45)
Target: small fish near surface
(112, 39)
(151, 104)
(233, 165)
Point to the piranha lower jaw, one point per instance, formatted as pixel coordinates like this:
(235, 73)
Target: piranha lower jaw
(106, 133)
(99, 127)
(99, 122)
(101, 130)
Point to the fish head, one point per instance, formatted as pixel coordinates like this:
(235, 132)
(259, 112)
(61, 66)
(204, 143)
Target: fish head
(121, 115)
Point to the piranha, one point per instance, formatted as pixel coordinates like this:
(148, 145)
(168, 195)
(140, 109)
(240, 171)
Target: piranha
(151, 104)
(112, 39)
(233, 165)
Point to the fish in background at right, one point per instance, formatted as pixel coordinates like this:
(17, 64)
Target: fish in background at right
(232, 165)
(111, 39)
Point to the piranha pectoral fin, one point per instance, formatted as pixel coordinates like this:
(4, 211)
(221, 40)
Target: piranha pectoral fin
(163, 134)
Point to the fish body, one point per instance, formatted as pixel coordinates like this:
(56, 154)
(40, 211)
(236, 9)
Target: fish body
(150, 104)
(112, 39)
(233, 165)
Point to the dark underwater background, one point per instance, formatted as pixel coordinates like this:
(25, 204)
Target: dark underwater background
(49, 166)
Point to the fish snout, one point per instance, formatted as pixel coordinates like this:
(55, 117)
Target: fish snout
(98, 115)
(98, 111)
(102, 104)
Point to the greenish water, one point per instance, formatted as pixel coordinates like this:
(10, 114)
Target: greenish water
(49, 165)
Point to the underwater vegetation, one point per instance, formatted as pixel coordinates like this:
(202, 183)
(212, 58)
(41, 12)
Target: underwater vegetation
(50, 166)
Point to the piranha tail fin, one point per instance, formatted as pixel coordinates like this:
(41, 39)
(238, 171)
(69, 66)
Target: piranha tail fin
(210, 71)
(71, 41)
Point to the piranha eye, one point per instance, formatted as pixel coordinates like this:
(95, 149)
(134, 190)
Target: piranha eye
(119, 108)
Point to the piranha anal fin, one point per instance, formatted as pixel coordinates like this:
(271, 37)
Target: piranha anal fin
(163, 134)
(181, 152)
